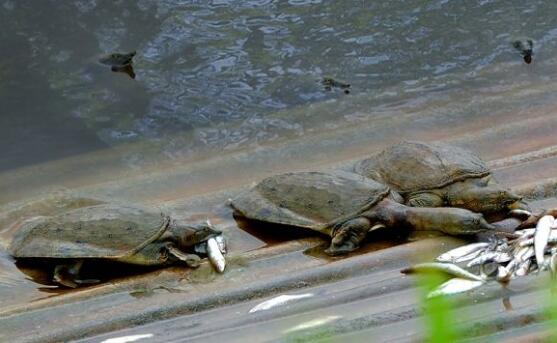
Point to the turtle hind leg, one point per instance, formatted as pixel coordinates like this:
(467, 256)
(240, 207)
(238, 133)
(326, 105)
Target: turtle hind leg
(67, 275)
(348, 236)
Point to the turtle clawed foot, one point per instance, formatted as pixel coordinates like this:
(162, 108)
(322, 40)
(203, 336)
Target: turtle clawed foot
(68, 280)
(341, 249)
(344, 242)
(67, 275)
(64, 281)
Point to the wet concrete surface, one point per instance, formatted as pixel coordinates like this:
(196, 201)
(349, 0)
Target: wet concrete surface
(178, 303)
(188, 134)
(359, 296)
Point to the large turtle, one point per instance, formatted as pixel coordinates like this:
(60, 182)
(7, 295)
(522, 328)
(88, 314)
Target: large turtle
(431, 175)
(345, 206)
(111, 232)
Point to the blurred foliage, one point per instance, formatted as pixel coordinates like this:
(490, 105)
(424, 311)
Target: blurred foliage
(437, 311)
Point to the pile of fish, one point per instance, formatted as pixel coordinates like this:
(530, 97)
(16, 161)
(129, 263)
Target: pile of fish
(474, 264)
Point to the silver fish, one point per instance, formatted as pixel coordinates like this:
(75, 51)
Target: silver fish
(520, 213)
(494, 256)
(127, 339)
(530, 241)
(470, 256)
(460, 252)
(278, 301)
(525, 233)
(453, 286)
(486, 270)
(215, 255)
(448, 268)
(526, 242)
(523, 253)
(553, 264)
(312, 323)
(523, 268)
(504, 274)
(527, 254)
(543, 229)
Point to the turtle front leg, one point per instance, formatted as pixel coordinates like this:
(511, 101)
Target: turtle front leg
(68, 275)
(191, 260)
(425, 200)
(347, 236)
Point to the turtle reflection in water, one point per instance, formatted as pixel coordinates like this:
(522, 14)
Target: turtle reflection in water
(430, 175)
(346, 206)
(112, 232)
(120, 63)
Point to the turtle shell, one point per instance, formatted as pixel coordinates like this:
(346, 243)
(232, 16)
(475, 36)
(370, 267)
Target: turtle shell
(309, 199)
(415, 166)
(101, 231)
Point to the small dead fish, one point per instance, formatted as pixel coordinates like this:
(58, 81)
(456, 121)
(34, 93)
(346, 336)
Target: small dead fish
(520, 213)
(127, 339)
(491, 256)
(487, 269)
(526, 242)
(448, 268)
(460, 252)
(278, 301)
(527, 254)
(504, 274)
(313, 323)
(530, 241)
(522, 255)
(525, 233)
(453, 286)
(523, 268)
(469, 257)
(215, 255)
(553, 264)
(543, 229)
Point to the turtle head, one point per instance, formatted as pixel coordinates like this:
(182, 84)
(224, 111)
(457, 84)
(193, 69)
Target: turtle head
(463, 222)
(487, 199)
(203, 239)
(190, 235)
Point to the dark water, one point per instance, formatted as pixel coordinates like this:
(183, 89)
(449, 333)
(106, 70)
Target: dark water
(221, 75)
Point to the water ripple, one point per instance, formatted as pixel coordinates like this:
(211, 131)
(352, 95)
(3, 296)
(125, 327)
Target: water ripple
(221, 72)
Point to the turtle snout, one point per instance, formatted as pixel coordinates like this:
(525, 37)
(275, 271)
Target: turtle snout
(518, 204)
(342, 243)
(475, 224)
(510, 198)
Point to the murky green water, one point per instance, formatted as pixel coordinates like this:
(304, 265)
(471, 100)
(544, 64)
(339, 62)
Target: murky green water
(212, 75)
